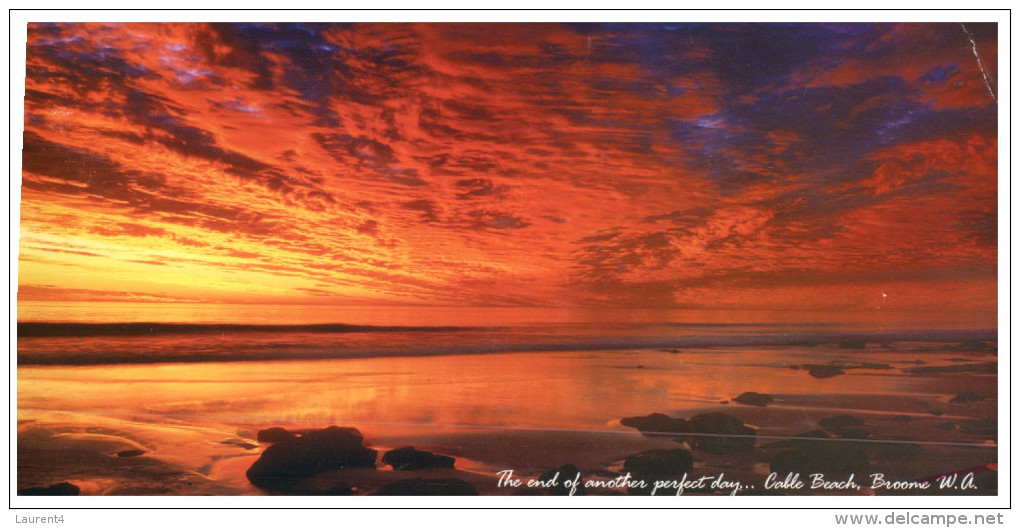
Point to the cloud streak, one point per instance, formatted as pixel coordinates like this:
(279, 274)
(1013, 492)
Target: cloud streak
(643, 165)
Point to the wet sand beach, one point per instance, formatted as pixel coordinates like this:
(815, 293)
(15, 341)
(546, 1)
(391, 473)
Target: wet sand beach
(189, 428)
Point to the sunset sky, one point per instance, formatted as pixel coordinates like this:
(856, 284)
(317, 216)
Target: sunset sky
(841, 167)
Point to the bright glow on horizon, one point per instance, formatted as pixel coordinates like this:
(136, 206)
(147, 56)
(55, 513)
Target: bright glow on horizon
(710, 167)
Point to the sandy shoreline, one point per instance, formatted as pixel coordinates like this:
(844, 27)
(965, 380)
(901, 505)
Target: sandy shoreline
(191, 434)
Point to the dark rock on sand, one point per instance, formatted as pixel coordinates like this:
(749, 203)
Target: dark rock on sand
(972, 345)
(982, 427)
(797, 442)
(718, 423)
(967, 397)
(703, 427)
(855, 433)
(832, 461)
(903, 418)
(563, 474)
(127, 453)
(853, 343)
(274, 435)
(871, 366)
(897, 451)
(989, 367)
(342, 489)
(409, 458)
(659, 463)
(843, 420)
(753, 398)
(655, 423)
(240, 443)
(824, 371)
(285, 463)
(428, 487)
(61, 489)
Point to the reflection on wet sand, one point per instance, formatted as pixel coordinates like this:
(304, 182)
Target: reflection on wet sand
(193, 428)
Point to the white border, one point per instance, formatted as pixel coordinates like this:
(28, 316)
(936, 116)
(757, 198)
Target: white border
(18, 36)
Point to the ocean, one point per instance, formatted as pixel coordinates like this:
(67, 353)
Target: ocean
(496, 388)
(114, 333)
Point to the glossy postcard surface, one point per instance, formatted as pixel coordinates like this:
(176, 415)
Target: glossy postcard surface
(509, 259)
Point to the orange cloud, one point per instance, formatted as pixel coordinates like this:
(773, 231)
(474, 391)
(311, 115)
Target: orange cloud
(510, 164)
